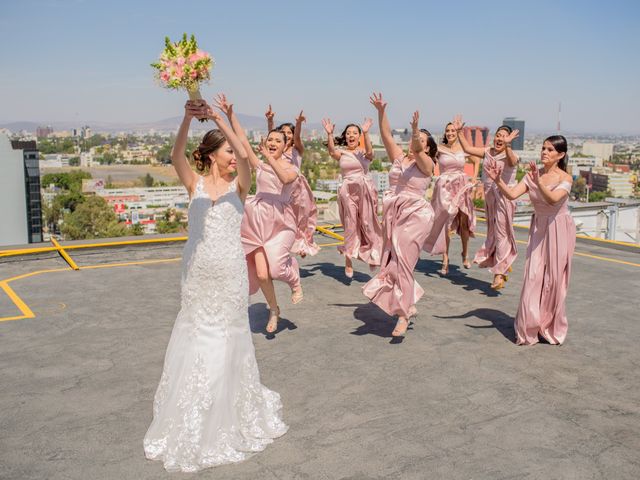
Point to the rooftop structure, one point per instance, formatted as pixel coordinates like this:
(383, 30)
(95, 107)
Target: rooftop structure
(82, 353)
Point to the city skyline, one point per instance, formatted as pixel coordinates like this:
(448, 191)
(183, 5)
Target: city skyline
(86, 61)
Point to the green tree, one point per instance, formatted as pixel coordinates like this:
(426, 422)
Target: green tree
(136, 229)
(598, 196)
(147, 180)
(579, 188)
(74, 162)
(376, 165)
(170, 222)
(93, 218)
(65, 180)
(520, 173)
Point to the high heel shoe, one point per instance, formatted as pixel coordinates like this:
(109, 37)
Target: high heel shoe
(401, 327)
(272, 324)
(465, 262)
(499, 283)
(444, 270)
(348, 272)
(297, 295)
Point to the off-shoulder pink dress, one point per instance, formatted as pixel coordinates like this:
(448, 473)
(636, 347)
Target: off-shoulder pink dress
(499, 250)
(358, 206)
(305, 211)
(268, 223)
(552, 240)
(452, 194)
(408, 218)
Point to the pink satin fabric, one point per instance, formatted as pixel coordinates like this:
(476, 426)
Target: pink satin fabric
(408, 218)
(358, 207)
(552, 240)
(452, 194)
(499, 250)
(305, 211)
(268, 223)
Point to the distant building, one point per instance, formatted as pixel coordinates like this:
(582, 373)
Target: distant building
(44, 132)
(603, 151)
(477, 136)
(380, 180)
(20, 192)
(327, 185)
(601, 180)
(515, 124)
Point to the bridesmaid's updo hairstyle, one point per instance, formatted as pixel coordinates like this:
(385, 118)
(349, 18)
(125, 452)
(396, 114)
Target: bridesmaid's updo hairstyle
(342, 139)
(432, 146)
(560, 145)
(277, 130)
(211, 142)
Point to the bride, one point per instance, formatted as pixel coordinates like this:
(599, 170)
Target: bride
(210, 407)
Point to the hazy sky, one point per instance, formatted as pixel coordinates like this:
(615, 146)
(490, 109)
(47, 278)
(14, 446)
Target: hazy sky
(89, 60)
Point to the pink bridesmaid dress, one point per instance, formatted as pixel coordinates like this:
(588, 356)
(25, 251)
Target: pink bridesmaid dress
(305, 211)
(268, 222)
(499, 250)
(452, 193)
(358, 206)
(408, 218)
(552, 239)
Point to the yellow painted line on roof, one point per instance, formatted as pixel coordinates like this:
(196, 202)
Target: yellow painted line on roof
(606, 259)
(64, 254)
(328, 232)
(335, 244)
(18, 302)
(127, 264)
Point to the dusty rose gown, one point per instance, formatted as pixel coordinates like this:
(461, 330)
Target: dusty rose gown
(499, 250)
(452, 194)
(358, 206)
(408, 218)
(552, 239)
(305, 211)
(268, 223)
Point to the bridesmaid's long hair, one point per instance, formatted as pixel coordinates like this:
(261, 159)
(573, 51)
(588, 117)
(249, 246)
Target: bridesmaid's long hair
(560, 145)
(342, 138)
(290, 125)
(432, 146)
(444, 135)
(506, 128)
(211, 142)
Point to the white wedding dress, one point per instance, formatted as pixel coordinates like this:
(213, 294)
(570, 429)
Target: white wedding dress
(210, 407)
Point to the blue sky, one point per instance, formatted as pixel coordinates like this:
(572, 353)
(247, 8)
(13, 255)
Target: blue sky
(89, 60)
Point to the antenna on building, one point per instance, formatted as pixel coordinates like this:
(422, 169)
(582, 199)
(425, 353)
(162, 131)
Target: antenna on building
(559, 115)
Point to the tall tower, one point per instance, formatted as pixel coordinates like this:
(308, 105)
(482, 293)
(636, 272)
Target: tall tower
(559, 114)
(515, 124)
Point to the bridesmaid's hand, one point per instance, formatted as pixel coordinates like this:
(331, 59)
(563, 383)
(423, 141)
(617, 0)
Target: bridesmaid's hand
(223, 104)
(366, 125)
(534, 173)
(494, 171)
(511, 137)
(262, 149)
(458, 124)
(328, 126)
(269, 113)
(415, 120)
(300, 119)
(210, 113)
(377, 101)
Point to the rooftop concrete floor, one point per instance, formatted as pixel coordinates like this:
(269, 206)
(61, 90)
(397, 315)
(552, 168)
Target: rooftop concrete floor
(456, 399)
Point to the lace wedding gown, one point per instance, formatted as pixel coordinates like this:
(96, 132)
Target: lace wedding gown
(210, 407)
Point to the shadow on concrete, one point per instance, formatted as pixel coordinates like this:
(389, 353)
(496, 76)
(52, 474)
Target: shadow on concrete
(456, 276)
(499, 320)
(374, 321)
(258, 318)
(336, 272)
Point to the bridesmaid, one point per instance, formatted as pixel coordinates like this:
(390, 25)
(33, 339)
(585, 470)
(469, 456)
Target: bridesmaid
(499, 250)
(357, 197)
(267, 226)
(552, 239)
(452, 199)
(302, 200)
(408, 219)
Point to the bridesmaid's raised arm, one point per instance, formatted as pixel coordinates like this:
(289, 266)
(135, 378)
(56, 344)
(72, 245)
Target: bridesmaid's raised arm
(178, 159)
(368, 148)
(392, 148)
(424, 161)
(495, 173)
(297, 134)
(511, 155)
(227, 108)
(270, 116)
(466, 146)
(331, 145)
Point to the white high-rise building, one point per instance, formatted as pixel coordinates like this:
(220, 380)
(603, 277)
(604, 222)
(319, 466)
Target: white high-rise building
(603, 151)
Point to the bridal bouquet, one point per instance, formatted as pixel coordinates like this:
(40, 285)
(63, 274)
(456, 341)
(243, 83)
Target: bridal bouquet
(183, 66)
